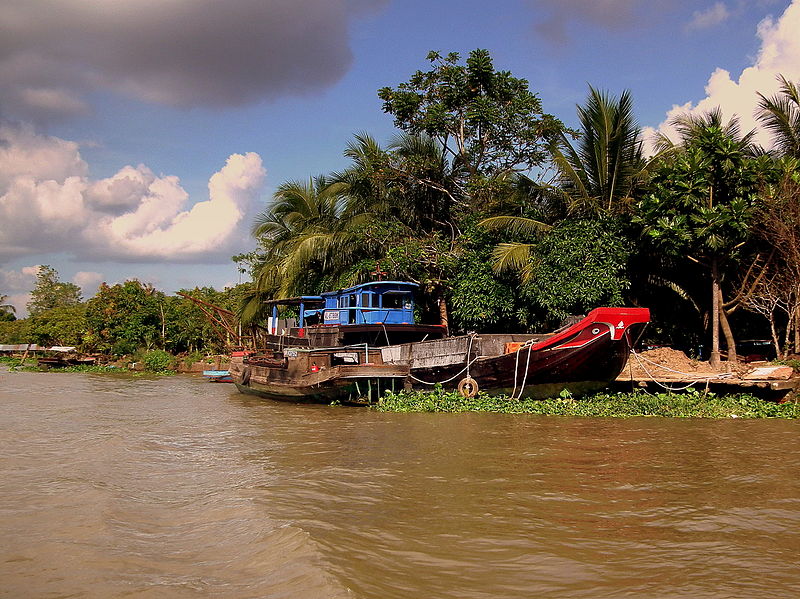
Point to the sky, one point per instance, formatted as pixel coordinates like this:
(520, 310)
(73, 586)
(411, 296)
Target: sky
(139, 138)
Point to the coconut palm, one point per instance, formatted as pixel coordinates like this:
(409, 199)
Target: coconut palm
(599, 173)
(597, 176)
(305, 234)
(780, 114)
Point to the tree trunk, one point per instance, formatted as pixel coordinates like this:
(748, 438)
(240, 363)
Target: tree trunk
(727, 331)
(796, 330)
(163, 327)
(715, 307)
(443, 318)
(774, 331)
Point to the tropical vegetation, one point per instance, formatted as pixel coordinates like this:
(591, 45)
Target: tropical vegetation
(121, 319)
(509, 220)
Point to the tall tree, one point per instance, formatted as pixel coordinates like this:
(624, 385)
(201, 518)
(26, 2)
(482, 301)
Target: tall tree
(702, 202)
(50, 292)
(127, 316)
(305, 236)
(487, 121)
(600, 172)
(597, 176)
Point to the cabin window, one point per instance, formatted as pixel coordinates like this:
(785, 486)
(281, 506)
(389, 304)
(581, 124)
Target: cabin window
(394, 300)
(365, 300)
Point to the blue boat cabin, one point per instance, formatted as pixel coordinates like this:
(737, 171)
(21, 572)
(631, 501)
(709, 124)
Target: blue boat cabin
(379, 302)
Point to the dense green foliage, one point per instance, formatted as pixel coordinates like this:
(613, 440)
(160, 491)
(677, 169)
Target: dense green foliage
(578, 265)
(122, 319)
(157, 360)
(692, 404)
(508, 221)
(684, 231)
(487, 120)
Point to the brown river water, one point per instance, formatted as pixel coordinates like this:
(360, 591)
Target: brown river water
(174, 487)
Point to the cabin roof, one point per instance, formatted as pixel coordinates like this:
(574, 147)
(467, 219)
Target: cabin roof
(404, 286)
(292, 301)
(374, 285)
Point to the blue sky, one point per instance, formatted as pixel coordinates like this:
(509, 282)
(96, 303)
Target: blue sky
(138, 139)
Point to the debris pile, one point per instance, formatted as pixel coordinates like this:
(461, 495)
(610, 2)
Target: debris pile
(665, 363)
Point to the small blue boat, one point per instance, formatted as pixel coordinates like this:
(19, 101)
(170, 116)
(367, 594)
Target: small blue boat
(218, 376)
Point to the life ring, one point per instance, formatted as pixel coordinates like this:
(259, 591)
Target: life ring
(468, 387)
(246, 375)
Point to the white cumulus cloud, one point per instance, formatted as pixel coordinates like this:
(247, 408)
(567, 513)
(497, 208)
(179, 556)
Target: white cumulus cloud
(88, 281)
(779, 54)
(48, 203)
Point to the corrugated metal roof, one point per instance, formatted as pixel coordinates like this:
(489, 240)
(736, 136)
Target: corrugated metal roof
(21, 347)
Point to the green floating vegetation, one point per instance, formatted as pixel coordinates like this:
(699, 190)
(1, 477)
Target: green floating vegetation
(88, 368)
(15, 365)
(690, 404)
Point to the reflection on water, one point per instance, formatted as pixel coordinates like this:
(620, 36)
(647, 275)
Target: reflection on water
(174, 487)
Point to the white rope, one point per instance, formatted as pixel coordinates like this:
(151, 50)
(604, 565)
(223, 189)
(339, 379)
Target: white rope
(529, 345)
(641, 359)
(460, 372)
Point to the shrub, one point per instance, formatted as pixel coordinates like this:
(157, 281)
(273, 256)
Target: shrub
(157, 360)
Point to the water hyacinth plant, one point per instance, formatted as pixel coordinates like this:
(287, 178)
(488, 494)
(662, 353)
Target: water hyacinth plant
(691, 404)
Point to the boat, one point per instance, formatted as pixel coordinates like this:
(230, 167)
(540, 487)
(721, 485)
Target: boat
(60, 356)
(353, 344)
(218, 376)
(333, 353)
(579, 358)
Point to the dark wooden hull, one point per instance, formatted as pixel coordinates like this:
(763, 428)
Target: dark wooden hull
(357, 384)
(543, 372)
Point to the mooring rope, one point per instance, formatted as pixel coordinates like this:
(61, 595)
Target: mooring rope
(641, 359)
(529, 344)
(460, 372)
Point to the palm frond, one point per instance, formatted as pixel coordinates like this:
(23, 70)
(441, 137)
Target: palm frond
(515, 225)
(513, 257)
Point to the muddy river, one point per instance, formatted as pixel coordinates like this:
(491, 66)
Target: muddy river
(173, 487)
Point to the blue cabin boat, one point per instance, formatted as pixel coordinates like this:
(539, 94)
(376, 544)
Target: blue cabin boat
(381, 302)
(360, 312)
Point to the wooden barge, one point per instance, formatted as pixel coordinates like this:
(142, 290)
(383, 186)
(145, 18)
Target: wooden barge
(353, 344)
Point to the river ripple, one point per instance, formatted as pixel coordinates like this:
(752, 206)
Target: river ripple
(173, 487)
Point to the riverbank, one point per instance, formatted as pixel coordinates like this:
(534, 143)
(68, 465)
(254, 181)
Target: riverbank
(690, 404)
(156, 361)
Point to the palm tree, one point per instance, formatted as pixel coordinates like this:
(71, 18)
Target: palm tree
(598, 176)
(409, 192)
(600, 173)
(305, 234)
(781, 116)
